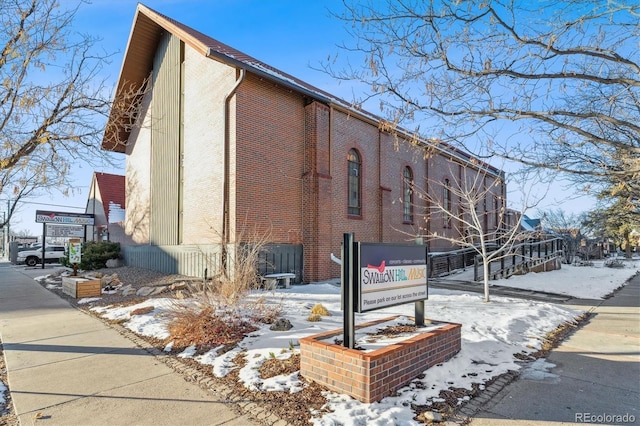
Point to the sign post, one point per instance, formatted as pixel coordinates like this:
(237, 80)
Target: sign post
(348, 287)
(376, 276)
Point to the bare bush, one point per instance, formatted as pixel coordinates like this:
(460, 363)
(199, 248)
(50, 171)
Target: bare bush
(206, 327)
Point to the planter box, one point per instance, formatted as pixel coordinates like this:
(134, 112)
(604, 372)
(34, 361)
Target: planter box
(81, 287)
(371, 376)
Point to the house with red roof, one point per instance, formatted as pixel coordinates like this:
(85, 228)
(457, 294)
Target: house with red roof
(107, 202)
(224, 147)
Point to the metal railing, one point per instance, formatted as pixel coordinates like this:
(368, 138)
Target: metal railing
(519, 258)
(445, 263)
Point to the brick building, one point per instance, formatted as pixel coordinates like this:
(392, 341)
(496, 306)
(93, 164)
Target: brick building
(227, 146)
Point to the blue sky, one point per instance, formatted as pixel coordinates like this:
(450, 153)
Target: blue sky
(291, 35)
(294, 36)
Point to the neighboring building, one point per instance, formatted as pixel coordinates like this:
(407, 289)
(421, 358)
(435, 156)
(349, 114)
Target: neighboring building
(227, 146)
(107, 203)
(530, 225)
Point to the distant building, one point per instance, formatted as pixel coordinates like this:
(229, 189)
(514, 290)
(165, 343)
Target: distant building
(107, 202)
(226, 146)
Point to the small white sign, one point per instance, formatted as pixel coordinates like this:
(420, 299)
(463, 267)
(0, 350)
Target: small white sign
(75, 252)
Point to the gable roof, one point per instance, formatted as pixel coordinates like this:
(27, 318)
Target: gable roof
(112, 191)
(149, 25)
(529, 224)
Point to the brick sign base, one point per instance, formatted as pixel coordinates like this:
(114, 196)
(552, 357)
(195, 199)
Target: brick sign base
(371, 376)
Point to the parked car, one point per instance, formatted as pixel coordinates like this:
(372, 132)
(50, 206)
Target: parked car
(31, 257)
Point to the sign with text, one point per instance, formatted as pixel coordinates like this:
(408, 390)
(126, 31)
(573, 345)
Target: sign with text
(75, 251)
(391, 274)
(65, 231)
(64, 218)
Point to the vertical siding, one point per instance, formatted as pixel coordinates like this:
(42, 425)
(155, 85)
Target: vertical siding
(189, 260)
(165, 143)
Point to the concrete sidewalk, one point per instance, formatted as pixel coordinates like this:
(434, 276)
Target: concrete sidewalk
(595, 377)
(75, 370)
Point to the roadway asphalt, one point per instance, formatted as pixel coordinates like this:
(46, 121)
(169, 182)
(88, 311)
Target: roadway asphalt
(67, 368)
(595, 377)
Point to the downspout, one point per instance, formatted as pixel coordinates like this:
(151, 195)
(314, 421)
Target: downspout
(93, 210)
(225, 185)
(380, 190)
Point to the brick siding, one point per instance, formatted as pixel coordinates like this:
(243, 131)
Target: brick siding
(371, 376)
(288, 170)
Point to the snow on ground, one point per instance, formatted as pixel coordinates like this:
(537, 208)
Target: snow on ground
(584, 282)
(491, 334)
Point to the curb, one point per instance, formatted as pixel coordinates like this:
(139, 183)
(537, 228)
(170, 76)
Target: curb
(465, 413)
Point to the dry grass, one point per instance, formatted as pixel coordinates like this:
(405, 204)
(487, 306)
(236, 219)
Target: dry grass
(319, 309)
(276, 367)
(314, 318)
(230, 286)
(203, 328)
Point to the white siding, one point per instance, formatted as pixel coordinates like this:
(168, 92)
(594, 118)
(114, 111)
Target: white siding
(207, 82)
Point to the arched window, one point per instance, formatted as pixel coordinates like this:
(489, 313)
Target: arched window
(446, 202)
(354, 183)
(407, 195)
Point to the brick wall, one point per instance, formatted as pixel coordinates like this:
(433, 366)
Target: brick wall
(371, 376)
(288, 170)
(270, 138)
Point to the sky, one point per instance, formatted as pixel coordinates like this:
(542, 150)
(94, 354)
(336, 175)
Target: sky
(291, 35)
(491, 334)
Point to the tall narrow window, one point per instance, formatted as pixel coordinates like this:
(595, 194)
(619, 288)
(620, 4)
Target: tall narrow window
(354, 183)
(446, 202)
(407, 195)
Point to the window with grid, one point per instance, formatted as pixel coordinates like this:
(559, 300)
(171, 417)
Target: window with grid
(354, 183)
(407, 195)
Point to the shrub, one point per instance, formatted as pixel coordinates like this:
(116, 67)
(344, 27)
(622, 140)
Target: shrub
(95, 255)
(205, 328)
(319, 309)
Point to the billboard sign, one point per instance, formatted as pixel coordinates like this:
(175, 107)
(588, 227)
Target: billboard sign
(391, 274)
(64, 218)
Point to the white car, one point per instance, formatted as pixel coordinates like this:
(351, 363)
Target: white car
(52, 254)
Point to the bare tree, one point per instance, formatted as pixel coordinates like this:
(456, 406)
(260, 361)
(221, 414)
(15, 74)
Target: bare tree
(53, 102)
(615, 221)
(566, 226)
(474, 208)
(551, 83)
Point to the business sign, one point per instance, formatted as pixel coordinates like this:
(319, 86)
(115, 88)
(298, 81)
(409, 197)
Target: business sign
(391, 274)
(63, 218)
(65, 231)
